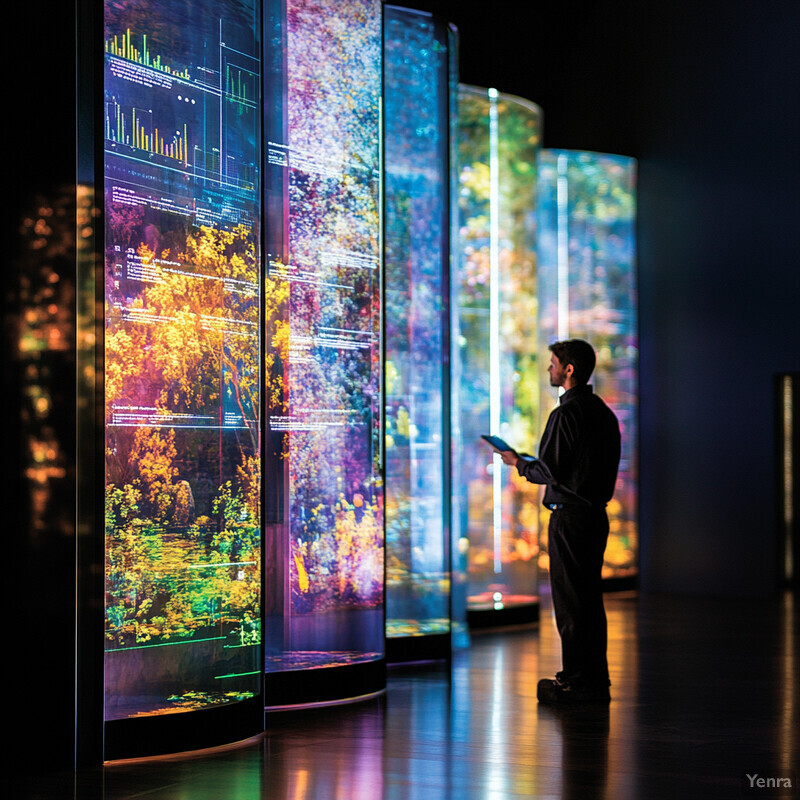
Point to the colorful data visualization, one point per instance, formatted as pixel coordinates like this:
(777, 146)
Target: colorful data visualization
(290, 320)
(587, 290)
(323, 470)
(182, 208)
(495, 360)
(417, 54)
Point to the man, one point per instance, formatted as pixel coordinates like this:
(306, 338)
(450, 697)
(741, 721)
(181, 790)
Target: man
(578, 462)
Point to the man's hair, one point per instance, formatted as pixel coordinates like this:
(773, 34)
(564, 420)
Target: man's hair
(578, 353)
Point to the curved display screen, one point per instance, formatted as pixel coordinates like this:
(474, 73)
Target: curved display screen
(587, 289)
(416, 92)
(322, 312)
(495, 363)
(182, 207)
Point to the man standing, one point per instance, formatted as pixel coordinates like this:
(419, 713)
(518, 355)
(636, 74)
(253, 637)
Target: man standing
(578, 462)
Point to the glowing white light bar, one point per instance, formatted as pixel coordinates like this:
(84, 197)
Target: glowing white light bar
(494, 324)
(562, 203)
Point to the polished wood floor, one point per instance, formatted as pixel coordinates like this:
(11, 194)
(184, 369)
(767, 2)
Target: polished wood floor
(704, 692)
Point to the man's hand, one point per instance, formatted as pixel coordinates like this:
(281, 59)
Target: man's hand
(509, 457)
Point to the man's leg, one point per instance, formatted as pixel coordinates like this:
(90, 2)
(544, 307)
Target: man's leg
(576, 542)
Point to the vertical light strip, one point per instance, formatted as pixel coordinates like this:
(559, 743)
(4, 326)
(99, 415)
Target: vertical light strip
(786, 743)
(788, 480)
(562, 204)
(494, 322)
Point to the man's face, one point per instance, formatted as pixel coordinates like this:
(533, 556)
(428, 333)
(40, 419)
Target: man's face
(557, 376)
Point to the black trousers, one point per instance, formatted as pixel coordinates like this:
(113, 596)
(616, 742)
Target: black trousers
(577, 539)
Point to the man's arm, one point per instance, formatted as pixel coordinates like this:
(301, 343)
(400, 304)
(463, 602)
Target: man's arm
(535, 471)
(556, 440)
(532, 469)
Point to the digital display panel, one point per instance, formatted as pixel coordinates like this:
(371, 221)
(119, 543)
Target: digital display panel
(182, 207)
(323, 311)
(416, 89)
(495, 359)
(587, 290)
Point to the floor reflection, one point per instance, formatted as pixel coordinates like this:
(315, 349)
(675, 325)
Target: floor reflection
(583, 753)
(702, 691)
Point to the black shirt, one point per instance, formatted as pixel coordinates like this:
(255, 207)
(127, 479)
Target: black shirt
(579, 452)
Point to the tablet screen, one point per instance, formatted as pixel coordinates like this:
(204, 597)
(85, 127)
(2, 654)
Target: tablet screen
(497, 443)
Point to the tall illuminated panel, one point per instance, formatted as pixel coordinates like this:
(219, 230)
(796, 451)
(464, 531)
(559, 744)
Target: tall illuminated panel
(495, 366)
(418, 55)
(322, 311)
(587, 290)
(182, 213)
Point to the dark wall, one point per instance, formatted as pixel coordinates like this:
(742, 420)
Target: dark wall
(704, 93)
(38, 524)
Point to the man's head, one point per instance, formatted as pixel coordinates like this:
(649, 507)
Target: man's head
(573, 363)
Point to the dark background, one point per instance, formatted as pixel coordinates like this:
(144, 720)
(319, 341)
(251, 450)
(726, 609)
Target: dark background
(705, 94)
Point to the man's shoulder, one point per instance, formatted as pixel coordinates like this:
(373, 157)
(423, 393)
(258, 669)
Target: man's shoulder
(603, 406)
(587, 403)
(580, 397)
(610, 422)
(602, 403)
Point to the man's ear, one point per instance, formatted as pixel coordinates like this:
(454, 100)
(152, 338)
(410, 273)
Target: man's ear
(569, 370)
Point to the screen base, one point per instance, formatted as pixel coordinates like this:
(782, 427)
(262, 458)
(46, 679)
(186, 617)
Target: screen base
(143, 737)
(324, 684)
(404, 649)
(509, 614)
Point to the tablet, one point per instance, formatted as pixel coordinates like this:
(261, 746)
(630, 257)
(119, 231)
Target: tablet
(501, 445)
(497, 443)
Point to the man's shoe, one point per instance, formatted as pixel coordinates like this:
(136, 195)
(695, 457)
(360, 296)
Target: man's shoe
(555, 693)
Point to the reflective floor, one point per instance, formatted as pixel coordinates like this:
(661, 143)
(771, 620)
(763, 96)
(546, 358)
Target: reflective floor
(704, 693)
